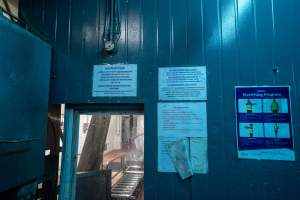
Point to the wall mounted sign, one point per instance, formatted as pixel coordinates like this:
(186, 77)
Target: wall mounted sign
(178, 121)
(184, 119)
(182, 83)
(264, 124)
(119, 80)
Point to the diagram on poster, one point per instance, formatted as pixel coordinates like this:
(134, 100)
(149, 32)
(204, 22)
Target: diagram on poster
(119, 80)
(264, 124)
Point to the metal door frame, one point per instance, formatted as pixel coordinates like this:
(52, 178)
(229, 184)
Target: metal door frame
(72, 114)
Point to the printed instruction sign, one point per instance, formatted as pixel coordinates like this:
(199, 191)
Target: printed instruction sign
(119, 80)
(182, 83)
(177, 121)
(183, 119)
(264, 124)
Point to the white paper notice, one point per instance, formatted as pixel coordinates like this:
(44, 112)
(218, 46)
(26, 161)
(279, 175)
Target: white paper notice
(177, 121)
(182, 83)
(119, 80)
(198, 153)
(184, 119)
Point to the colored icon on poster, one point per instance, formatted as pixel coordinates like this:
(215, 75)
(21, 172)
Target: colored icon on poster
(251, 130)
(250, 106)
(277, 130)
(275, 106)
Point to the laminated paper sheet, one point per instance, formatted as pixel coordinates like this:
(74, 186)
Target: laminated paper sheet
(179, 121)
(184, 119)
(119, 80)
(198, 155)
(264, 123)
(182, 83)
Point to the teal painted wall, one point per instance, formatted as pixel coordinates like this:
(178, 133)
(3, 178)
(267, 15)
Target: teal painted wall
(24, 91)
(240, 42)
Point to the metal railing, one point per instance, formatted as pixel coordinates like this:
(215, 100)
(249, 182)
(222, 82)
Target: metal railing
(122, 169)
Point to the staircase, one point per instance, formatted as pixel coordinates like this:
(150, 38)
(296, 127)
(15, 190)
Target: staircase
(129, 185)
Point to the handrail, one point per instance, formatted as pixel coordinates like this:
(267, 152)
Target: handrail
(120, 156)
(123, 166)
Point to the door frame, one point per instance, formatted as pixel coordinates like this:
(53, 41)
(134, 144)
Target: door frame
(72, 114)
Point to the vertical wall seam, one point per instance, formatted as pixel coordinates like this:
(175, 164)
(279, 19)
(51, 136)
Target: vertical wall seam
(238, 40)
(293, 63)
(220, 64)
(69, 27)
(82, 52)
(203, 40)
(156, 31)
(54, 63)
(220, 47)
(141, 28)
(187, 31)
(273, 20)
(69, 44)
(155, 18)
(127, 32)
(83, 42)
(171, 32)
(98, 38)
(236, 61)
(273, 40)
(55, 26)
(43, 12)
(222, 78)
(254, 13)
(83, 36)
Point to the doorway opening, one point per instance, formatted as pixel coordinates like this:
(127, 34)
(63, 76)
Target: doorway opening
(110, 156)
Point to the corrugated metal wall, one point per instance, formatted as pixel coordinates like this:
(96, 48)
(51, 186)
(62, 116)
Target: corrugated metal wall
(24, 86)
(240, 42)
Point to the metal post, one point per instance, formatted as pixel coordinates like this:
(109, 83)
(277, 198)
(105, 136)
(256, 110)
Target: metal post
(69, 156)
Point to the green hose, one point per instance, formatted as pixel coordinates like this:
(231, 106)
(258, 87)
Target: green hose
(112, 25)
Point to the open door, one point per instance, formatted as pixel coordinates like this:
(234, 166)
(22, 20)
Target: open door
(109, 156)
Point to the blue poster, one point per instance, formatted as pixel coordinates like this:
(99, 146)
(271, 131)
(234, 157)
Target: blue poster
(264, 123)
(118, 80)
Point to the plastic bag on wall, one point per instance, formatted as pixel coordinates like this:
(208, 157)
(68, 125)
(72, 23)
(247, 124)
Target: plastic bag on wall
(179, 154)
